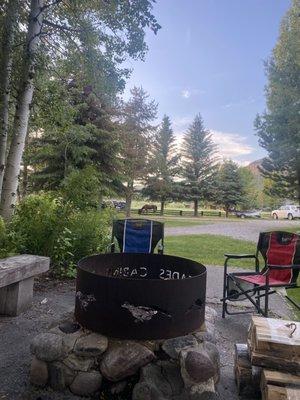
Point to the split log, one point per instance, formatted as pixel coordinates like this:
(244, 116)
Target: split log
(280, 393)
(276, 378)
(243, 371)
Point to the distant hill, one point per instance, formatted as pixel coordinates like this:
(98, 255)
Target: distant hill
(254, 167)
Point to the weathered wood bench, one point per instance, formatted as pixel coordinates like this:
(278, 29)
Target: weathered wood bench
(16, 281)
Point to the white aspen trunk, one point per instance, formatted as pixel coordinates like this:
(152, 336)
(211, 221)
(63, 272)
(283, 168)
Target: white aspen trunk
(25, 93)
(8, 34)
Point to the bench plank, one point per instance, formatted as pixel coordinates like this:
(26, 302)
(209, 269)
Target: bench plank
(18, 268)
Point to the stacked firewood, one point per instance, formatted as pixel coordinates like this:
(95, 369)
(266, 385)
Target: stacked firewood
(269, 364)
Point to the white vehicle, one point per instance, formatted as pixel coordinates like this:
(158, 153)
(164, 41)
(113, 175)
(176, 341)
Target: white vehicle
(290, 212)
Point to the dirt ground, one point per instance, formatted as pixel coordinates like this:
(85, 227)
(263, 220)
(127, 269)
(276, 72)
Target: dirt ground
(53, 302)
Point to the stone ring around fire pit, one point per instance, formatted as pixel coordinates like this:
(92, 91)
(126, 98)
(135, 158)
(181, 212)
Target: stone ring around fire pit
(140, 296)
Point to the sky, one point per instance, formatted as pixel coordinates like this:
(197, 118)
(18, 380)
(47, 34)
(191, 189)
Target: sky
(208, 58)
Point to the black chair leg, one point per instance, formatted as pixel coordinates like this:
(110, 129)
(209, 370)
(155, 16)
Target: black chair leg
(225, 286)
(266, 302)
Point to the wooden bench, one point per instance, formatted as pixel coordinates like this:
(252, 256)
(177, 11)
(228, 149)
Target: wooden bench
(16, 281)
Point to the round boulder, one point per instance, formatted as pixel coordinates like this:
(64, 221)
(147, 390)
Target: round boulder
(38, 372)
(91, 345)
(124, 360)
(48, 347)
(86, 383)
(197, 366)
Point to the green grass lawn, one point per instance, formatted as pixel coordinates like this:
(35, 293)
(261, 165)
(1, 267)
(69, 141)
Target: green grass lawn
(210, 249)
(295, 228)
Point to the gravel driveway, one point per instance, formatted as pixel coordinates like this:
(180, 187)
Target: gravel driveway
(242, 229)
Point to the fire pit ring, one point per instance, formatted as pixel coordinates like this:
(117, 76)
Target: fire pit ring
(140, 296)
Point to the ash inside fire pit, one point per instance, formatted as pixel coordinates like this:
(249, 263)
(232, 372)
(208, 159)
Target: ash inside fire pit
(140, 296)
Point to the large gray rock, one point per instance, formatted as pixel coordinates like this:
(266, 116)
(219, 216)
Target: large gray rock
(86, 383)
(213, 353)
(38, 372)
(60, 375)
(196, 366)
(174, 346)
(160, 381)
(145, 391)
(125, 360)
(205, 396)
(77, 363)
(91, 345)
(48, 347)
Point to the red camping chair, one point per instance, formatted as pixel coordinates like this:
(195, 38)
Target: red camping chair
(281, 254)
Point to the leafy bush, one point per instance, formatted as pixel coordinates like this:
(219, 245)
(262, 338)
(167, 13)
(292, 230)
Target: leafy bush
(50, 226)
(38, 220)
(82, 188)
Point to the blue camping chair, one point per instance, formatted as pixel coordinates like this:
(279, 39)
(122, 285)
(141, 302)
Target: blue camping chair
(137, 236)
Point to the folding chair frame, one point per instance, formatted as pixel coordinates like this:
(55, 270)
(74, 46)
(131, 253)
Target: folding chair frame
(267, 288)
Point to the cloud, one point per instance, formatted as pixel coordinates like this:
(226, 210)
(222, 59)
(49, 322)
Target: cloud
(185, 93)
(231, 145)
(240, 103)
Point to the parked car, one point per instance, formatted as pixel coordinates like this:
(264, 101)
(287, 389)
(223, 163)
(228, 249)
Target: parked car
(248, 214)
(289, 211)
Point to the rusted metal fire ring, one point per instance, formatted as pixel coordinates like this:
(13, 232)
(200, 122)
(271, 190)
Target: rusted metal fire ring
(140, 296)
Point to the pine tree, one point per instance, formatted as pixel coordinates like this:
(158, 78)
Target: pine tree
(136, 136)
(230, 189)
(198, 163)
(279, 127)
(76, 131)
(163, 165)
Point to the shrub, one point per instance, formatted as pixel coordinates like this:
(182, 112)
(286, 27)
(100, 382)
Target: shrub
(82, 188)
(37, 221)
(49, 226)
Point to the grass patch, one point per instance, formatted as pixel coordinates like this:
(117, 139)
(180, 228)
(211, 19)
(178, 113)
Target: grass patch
(295, 229)
(208, 249)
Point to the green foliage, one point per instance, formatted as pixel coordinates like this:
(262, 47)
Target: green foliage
(253, 189)
(82, 188)
(136, 133)
(279, 127)
(49, 226)
(163, 164)
(37, 220)
(229, 186)
(198, 163)
(77, 132)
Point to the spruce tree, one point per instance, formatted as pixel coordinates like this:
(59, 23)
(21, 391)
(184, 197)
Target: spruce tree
(230, 189)
(198, 163)
(279, 127)
(136, 135)
(163, 165)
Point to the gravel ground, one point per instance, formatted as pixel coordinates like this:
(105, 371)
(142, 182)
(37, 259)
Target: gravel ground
(243, 229)
(16, 334)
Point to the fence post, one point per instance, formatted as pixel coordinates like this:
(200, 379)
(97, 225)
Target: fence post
(180, 213)
(220, 213)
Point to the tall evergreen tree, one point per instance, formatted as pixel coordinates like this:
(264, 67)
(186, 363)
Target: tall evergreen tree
(163, 165)
(279, 127)
(136, 136)
(76, 131)
(230, 190)
(198, 163)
